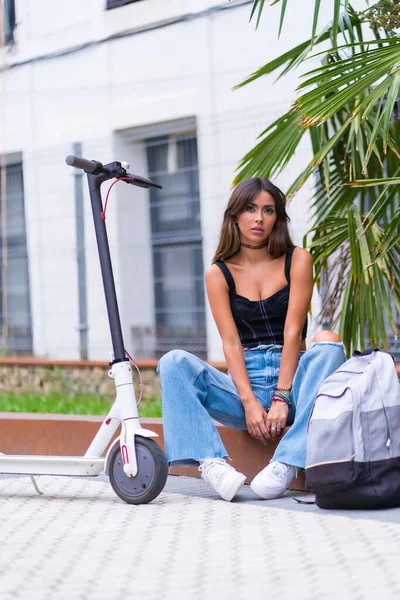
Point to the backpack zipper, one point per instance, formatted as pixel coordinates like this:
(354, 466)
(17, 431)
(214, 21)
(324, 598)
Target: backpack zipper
(386, 417)
(387, 426)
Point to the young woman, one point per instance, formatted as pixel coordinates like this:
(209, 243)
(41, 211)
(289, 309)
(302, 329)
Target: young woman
(259, 288)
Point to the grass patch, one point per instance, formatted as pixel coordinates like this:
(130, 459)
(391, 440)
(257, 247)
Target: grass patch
(150, 407)
(58, 403)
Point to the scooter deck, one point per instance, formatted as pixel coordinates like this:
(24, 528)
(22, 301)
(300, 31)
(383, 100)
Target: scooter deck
(51, 465)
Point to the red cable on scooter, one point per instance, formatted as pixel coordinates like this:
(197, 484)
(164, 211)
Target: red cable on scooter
(103, 214)
(140, 376)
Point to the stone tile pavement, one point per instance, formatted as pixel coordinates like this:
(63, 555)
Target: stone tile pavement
(79, 541)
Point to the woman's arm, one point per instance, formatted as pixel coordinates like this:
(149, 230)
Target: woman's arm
(301, 286)
(218, 297)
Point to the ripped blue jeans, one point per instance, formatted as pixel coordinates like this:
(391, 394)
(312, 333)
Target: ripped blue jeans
(195, 393)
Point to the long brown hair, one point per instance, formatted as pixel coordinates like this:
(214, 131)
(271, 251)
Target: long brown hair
(229, 241)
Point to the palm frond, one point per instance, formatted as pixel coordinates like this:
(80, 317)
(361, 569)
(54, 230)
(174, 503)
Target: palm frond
(338, 5)
(258, 4)
(283, 136)
(349, 24)
(366, 307)
(347, 106)
(375, 182)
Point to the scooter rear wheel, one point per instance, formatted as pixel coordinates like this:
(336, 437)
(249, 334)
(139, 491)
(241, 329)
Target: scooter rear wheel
(150, 478)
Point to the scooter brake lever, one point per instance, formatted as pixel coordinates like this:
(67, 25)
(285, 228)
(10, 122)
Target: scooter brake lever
(142, 182)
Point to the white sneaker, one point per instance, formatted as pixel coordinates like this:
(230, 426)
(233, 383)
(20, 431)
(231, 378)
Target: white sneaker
(272, 481)
(223, 478)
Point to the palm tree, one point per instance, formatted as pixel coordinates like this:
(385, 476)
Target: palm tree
(349, 106)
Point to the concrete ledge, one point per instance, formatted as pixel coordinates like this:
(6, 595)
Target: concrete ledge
(70, 435)
(32, 361)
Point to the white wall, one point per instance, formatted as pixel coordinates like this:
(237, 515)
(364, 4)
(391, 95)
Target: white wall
(187, 69)
(49, 210)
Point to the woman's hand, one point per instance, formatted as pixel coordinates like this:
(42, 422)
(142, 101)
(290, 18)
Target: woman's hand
(276, 418)
(256, 419)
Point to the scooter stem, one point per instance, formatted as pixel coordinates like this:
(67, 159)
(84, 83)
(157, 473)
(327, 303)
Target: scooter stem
(95, 182)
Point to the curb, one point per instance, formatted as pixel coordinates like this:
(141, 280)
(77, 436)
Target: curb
(70, 435)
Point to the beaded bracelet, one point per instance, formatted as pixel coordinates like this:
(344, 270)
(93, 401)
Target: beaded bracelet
(278, 389)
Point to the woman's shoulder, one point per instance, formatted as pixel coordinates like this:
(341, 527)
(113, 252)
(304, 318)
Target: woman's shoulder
(302, 262)
(214, 274)
(301, 256)
(214, 268)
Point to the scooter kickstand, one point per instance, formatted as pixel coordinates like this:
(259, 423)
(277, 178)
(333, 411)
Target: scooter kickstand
(35, 485)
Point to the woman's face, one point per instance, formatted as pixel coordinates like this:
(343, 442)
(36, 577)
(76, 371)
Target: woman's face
(257, 220)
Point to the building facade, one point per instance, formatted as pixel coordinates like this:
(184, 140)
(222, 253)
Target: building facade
(149, 82)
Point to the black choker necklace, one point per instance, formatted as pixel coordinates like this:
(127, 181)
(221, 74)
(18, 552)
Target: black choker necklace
(254, 247)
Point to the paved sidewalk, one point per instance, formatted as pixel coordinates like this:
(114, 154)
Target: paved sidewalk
(79, 541)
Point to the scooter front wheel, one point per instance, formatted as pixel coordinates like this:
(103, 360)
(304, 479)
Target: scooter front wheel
(151, 475)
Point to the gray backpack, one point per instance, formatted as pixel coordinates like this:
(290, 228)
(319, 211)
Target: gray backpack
(353, 444)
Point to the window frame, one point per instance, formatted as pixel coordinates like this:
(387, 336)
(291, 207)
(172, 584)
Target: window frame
(7, 17)
(16, 338)
(110, 4)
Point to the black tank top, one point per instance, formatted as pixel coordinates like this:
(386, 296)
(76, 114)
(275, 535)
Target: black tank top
(260, 321)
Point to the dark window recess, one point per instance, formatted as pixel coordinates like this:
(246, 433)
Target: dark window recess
(117, 3)
(15, 310)
(7, 22)
(177, 245)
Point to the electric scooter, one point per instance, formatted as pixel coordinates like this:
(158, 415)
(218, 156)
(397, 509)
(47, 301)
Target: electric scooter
(135, 464)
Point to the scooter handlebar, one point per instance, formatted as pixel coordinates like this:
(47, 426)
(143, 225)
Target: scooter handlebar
(114, 169)
(82, 163)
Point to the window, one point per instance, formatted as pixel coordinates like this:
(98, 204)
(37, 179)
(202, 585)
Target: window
(7, 21)
(176, 243)
(117, 3)
(15, 313)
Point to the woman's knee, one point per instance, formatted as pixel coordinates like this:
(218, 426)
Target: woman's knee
(171, 360)
(326, 336)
